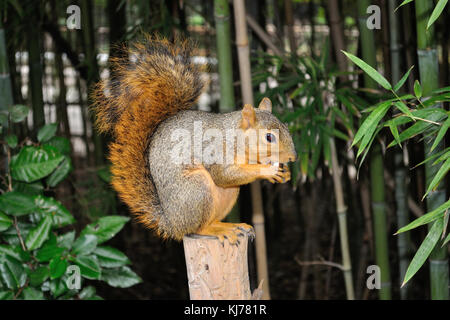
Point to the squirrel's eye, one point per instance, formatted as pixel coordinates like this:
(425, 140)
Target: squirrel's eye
(270, 138)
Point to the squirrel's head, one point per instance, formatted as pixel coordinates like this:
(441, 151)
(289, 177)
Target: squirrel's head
(274, 143)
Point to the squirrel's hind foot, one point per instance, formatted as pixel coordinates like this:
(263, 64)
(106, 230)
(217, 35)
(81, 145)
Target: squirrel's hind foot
(231, 231)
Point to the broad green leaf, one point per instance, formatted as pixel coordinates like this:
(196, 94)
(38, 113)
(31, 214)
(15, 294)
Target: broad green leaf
(48, 252)
(16, 203)
(58, 266)
(60, 172)
(84, 245)
(87, 293)
(12, 272)
(15, 252)
(66, 240)
(58, 287)
(89, 267)
(11, 140)
(427, 218)
(106, 227)
(34, 188)
(402, 80)
(436, 12)
(122, 277)
(18, 113)
(109, 257)
(61, 144)
(52, 208)
(38, 276)
(34, 163)
(47, 132)
(424, 250)
(417, 89)
(447, 239)
(39, 234)
(370, 71)
(30, 293)
(438, 177)
(5, 222)
(441, 133)
(6, 295)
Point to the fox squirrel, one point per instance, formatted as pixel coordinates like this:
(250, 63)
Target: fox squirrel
(145, 101)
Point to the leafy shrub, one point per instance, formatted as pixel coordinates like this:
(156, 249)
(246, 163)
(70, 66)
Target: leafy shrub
(37, 259)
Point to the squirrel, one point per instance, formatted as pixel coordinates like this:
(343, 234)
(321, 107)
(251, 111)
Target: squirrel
(144, 103)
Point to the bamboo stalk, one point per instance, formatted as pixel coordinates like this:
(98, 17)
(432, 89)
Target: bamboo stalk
(341, 209)
(401, 189)
(247, 97)
(429, 78)
(288, 12)
(6, 96)
(223, 42)
(376, 165)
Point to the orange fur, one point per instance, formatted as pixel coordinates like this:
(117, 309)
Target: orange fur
(152, 81)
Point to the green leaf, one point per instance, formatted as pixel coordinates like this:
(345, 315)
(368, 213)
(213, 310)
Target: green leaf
(109, 257)
(15, 252)
(427, 218)
(38, 276)
(52, 208)
(87, 293)
(441, 133)
(6, 295)
(58, 266)
(403, 108)
(5, 222)
(417, 89)
(403, 3)
(438, 177)
(89, 267)
(47, 252)
(369, 70)
(34, 163)
(106, 227)
(18, 113)
(122, 277)
(66, 240)
(105, 174)
(58, 286)
(402, 80)
(30, 293)
(447, 239)
(11, 140)
(369, 125)
(39, 234)
(436, 12)
(16, 203)
(60, 173)
(12, 272)
(424, 250)
(394, 132)
(61, 144)
(47, 132)
(34, 188)
(84, 245)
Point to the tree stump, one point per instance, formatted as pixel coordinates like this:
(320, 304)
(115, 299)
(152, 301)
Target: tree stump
(217, 271)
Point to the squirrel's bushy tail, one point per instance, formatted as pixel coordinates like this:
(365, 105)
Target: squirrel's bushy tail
(150, 81)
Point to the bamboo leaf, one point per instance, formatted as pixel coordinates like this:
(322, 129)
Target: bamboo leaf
(403, 3)
(441, 133)
(402, 80)
(394, 132)
(369, 70)
(438, 177)
(426, 218)
(424, 250)
(373, 118)
(437, 12)
(417, 89)
(400, 105)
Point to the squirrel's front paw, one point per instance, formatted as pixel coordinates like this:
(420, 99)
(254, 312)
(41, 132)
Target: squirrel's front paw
(276, 173)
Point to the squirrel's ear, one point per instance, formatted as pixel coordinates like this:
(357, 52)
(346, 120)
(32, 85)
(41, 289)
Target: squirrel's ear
(265, 105)
(248, 117)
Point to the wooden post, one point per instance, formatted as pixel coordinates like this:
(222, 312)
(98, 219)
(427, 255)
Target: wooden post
(217, 271)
